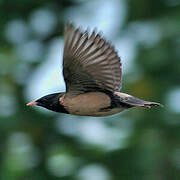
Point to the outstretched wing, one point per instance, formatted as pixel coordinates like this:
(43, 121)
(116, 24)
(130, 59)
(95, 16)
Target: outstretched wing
(89, 62)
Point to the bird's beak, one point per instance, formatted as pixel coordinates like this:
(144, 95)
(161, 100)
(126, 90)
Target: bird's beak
(33, 103)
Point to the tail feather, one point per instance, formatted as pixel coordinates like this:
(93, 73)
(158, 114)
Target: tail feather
(136, 102)
(148, 104)
(141, 103)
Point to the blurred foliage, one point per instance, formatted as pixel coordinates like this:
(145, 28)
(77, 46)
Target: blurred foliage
(137, 144)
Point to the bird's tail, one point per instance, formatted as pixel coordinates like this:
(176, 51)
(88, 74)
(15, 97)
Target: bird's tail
(141, 103)
(136, 102)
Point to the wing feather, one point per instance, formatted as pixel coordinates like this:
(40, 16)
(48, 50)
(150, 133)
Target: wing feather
(89, 62)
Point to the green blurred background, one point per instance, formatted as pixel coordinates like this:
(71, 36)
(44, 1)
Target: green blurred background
(138, 144)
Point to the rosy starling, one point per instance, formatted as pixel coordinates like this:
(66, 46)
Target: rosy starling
(92, 73)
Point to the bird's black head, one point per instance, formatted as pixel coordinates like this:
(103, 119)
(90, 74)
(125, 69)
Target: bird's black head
(50, 102)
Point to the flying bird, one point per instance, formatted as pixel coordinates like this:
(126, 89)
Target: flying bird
(92, 72)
